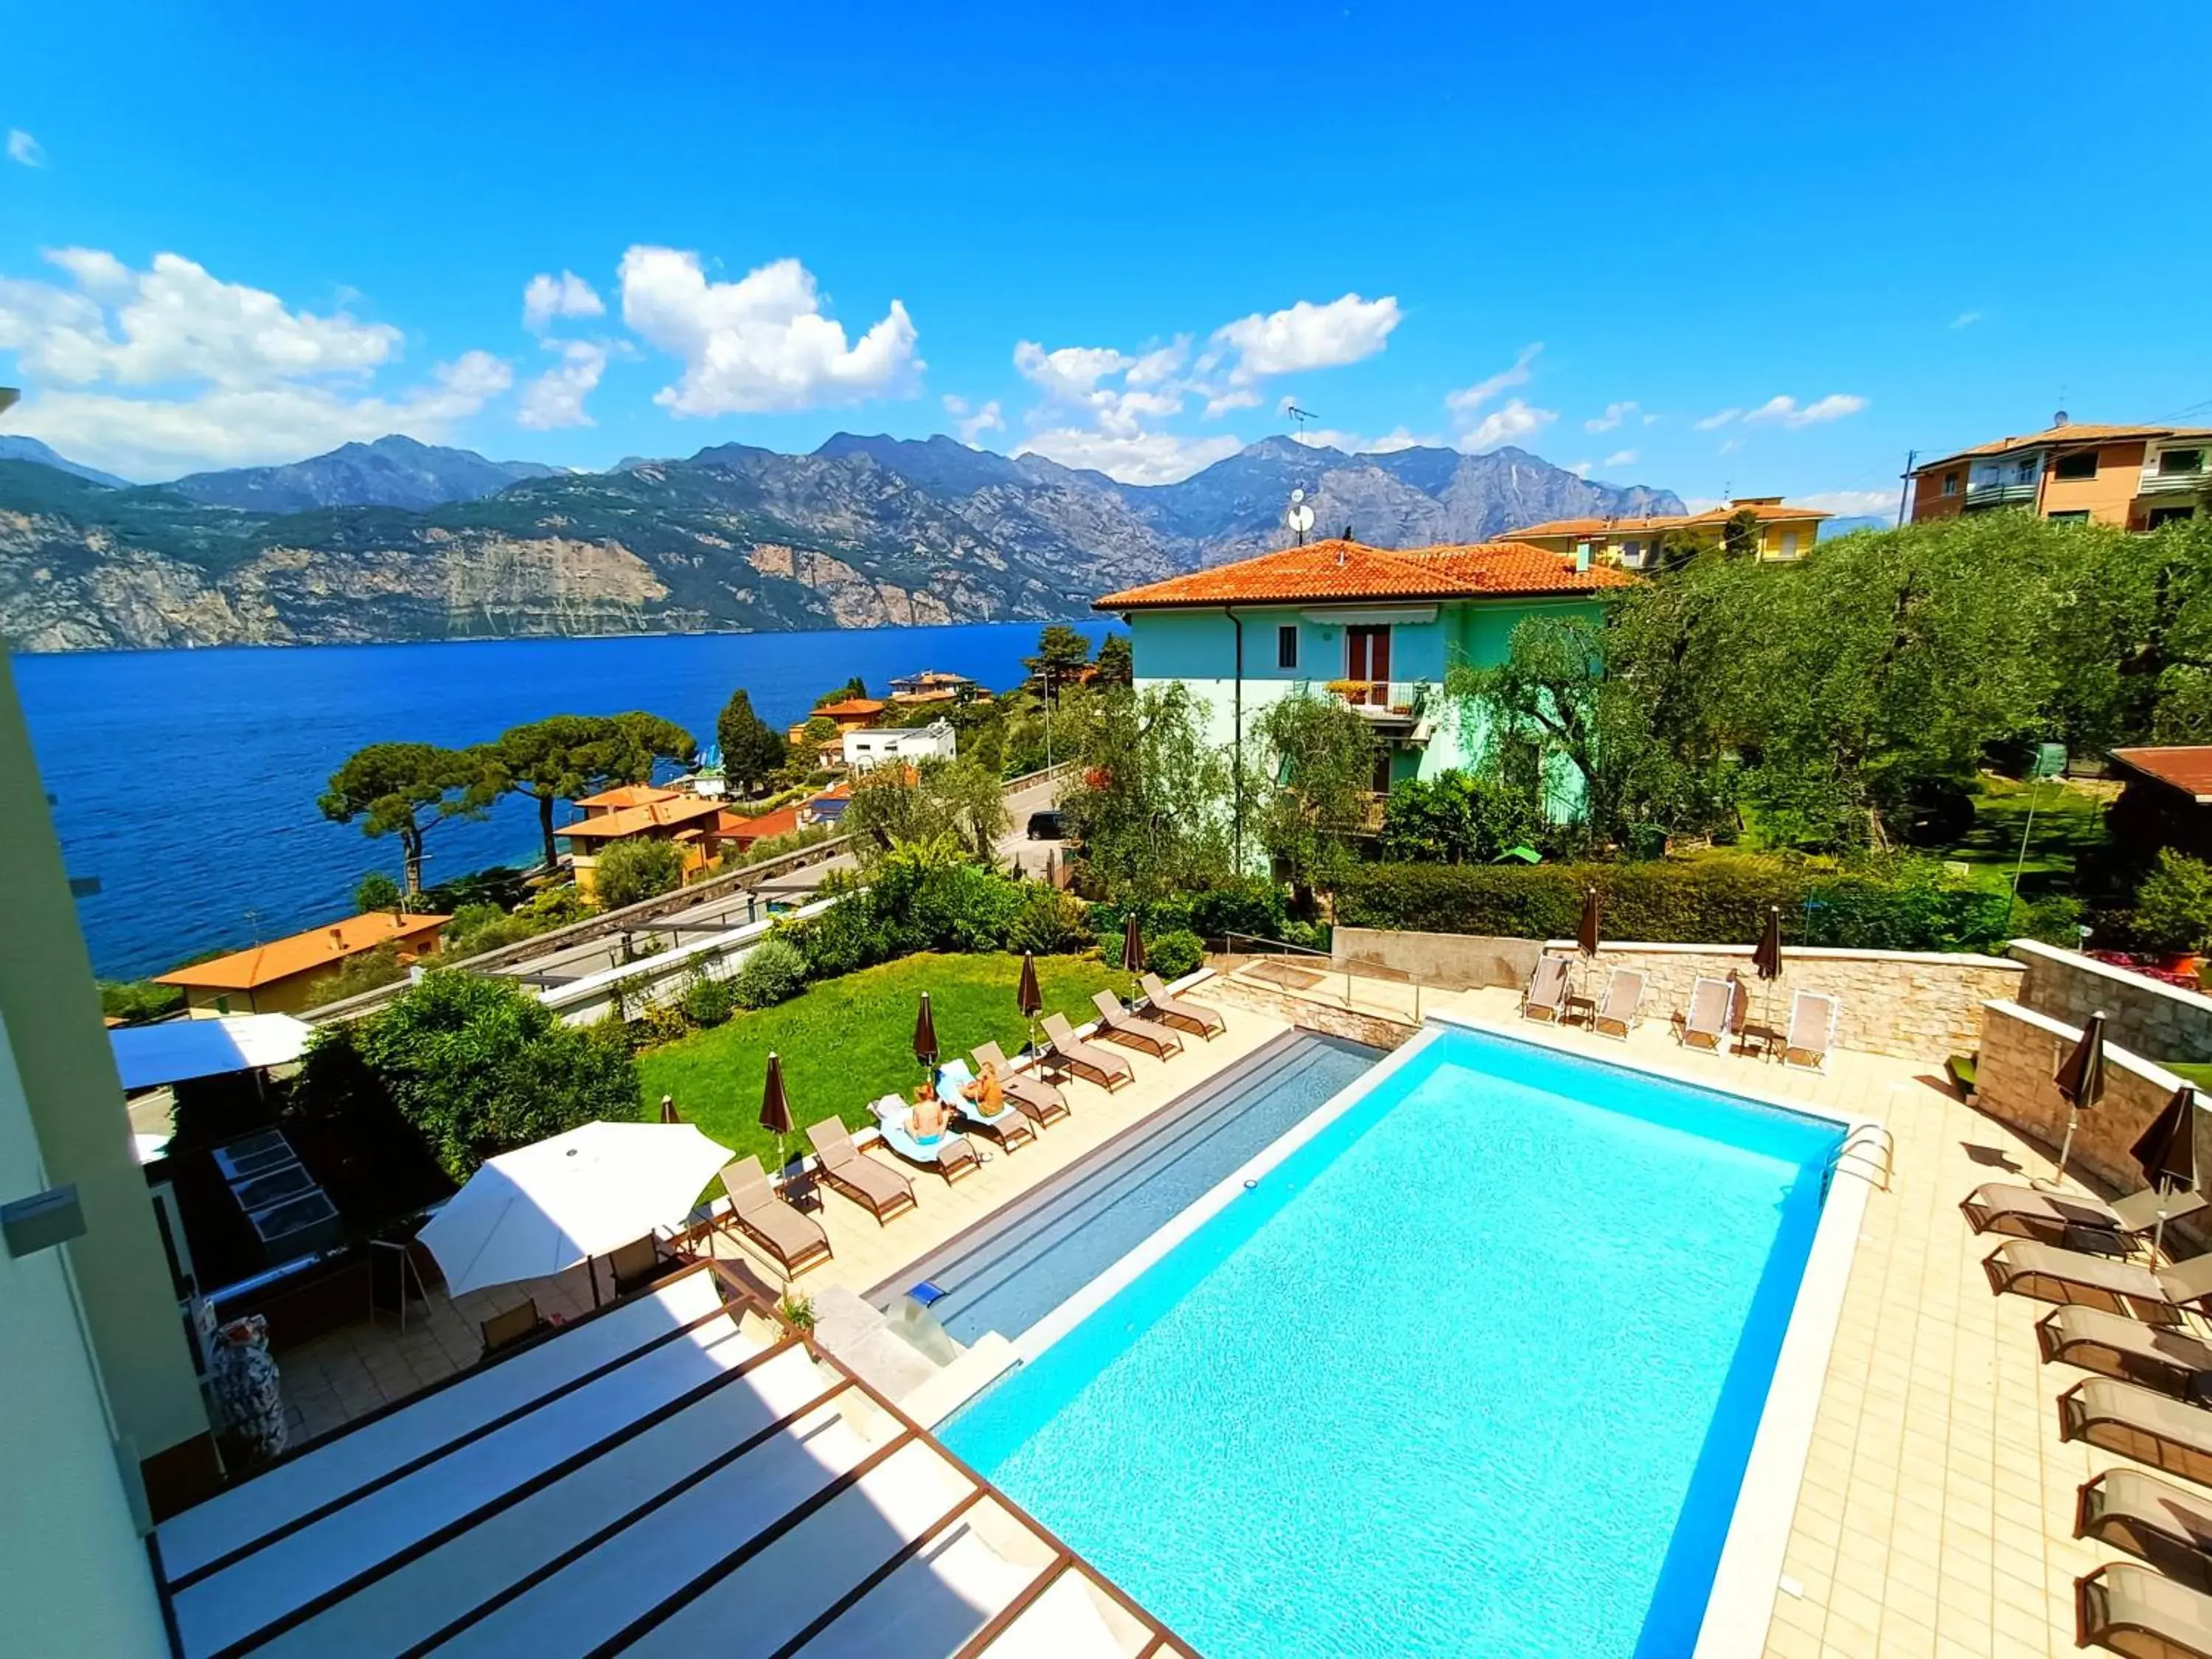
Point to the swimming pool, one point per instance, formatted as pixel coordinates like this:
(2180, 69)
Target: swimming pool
(1476, 1368)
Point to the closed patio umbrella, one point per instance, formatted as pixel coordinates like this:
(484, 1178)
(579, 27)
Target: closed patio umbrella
(543, 1208)
(775, 1107)
(2080, 1082)
(2166, 1154)
(1766, 957)
(925, 1036)
(1132, 951)
(1586, 938)
(1027, 997)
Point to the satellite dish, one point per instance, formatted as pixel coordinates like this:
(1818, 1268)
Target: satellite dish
(1296, 495)
(1300, 518)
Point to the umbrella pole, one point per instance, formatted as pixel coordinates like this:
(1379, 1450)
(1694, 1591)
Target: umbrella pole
(2158, 1232)
(2065, 1146)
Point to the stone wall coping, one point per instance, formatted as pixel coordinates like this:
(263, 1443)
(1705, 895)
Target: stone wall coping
(1801, 953)
(2126, 1059)
(2027, 949)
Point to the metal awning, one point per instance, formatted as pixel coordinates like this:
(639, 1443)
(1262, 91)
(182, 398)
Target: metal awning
(173, 1050)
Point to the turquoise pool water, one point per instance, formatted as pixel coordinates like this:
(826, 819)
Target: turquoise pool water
(1476, 1370)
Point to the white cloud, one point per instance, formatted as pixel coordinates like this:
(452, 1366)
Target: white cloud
(218, 373)
(1621, 457)
(1308, 335)
(1580, 469)
(1141, 457)
(549, 297)
(1718, 419)
(1242, 398)
(1851, 503)
(761, 342)
(1156, 365)
(1467, 400)
(1072, 373)
(971, 423)
(1785, 411)
(556, 398)
(1729, 447)
(24, 149)
(1614, 415)
(1352, 443)
(1966, 319)
(1514, 421)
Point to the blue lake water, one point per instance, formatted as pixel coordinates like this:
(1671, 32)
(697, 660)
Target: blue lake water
(184, 781)
(1475, 1370)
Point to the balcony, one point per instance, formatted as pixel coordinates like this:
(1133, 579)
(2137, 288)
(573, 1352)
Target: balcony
(2158, 481)
(2000, 493)
(1393, 708)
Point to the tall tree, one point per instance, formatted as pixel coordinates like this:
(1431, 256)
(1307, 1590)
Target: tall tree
(855, 687)
(651, 740)
(1116, 665)
(402, 788)
(560, 757)
(1322, 759)
(956, 802)
(752, 750)
(1061, 654)
(1149, 798)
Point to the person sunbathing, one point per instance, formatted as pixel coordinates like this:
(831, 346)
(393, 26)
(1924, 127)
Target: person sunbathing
(984, 1093)
(928, 1122)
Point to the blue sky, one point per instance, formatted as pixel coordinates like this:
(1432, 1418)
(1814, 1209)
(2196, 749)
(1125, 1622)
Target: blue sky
(239, 233)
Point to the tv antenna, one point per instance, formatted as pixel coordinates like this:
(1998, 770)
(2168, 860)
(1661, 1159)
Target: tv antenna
(1299, 416)
(1300, 518)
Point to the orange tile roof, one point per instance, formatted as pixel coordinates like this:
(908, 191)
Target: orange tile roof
(2070, 434)
(629, 794)
(319, 947)
(781, 822)
(848, 709)
(1337, 571)
(2187, 767)
(633, 820)
(1766, 512)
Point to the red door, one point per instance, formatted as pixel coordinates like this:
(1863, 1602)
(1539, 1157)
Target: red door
(1367, 652)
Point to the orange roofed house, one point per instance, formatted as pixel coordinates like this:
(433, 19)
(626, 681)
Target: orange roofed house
(2137, 477)
(643, 813)
(1783, 532)
(281, 977)
(847, 713)
(1376, 627)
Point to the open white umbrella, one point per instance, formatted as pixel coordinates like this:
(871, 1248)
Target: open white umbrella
(544, 1209)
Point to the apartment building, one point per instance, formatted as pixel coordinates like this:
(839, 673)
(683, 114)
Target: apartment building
(2135, 476)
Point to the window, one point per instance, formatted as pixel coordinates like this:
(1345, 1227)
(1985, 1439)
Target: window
(1789, 543)
(2080, 517)
(1950, 483)
(2160, 515)
(2027, 469)
(1286, 646)
(2179, 463)
(2072, 469)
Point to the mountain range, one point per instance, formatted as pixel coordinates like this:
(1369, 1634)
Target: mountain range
(397, 540)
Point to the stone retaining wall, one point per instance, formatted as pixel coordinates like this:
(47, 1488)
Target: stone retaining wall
(1373, 1030)
(2157, 1020)
(1458, 962)
(1912, 1004)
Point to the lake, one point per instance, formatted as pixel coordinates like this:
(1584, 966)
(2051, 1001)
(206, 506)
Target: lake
(184, 781)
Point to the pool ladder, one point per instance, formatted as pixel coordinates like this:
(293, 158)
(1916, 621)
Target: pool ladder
(1868, 1147)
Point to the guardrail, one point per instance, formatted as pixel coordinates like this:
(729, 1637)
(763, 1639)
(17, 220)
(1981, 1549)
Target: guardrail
(1326, 967)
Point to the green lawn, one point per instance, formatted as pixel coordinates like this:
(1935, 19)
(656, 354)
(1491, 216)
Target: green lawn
(848, 1041)
(2070, 822)
(2196, 1071)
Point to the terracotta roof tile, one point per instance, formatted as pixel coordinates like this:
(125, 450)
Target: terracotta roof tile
(2187, 767)
(631, 820)
(1347, 571)
(2072, 434)
(1712, 518)
(629, 794)
(848, 709)
(319, 947)
(781, 822)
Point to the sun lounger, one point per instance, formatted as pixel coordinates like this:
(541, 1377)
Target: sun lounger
(1037, 1100)
(1621, 1006)
(1086, 1060)
(504, 1330)
(882, 1191)
(952, 1155)
(2132, 1422)
(2170, 1361)
(2073, 1219)
(1195, 1017)
(637, 1265)
(1812, 1031)
(1007, 1126)
(1118, 1024)
(794, 1239)
(1705, 1024)
(2131, 1610)
(2163, 1524)
(2050, 1274)
(1546, 995)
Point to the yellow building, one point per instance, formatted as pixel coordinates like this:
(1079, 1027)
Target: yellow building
(1782, 532)
(281, 977)
(691, 822)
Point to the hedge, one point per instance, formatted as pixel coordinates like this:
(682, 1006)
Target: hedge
(1909, 906)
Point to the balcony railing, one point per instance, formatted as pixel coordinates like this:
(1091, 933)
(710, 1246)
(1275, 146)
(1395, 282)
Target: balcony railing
(2000, 493)
(2155, 482)
(1381, 700)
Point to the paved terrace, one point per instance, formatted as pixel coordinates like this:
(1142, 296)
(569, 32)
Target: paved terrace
(1936, 1513)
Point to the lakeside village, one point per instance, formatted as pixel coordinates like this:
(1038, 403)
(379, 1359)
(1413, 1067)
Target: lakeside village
(664, 1220)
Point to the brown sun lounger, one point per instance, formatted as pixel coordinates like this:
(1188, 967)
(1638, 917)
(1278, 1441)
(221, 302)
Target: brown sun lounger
(2133, 1611)
(2051, 1274)
(1546, 995)
(881, 1190)
(2155, 1356)
(1619, 1009)
(2073, 1219)
(2163, 1524)
(1117, 1025)
(1195, 1017)
(2133, 1422)
(1036, 1099)
(1706, 1025)
(1087, 1059)
(795, 1240)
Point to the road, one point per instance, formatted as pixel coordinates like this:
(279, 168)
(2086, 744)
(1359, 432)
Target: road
(729, 910)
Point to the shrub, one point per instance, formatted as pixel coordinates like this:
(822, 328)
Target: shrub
(377, 892)
(842, 940)
(1249, 905)
(1173, 955)
(709, 1002)
(632, 871)
(658, 1023)
(1048, 922)
(371, 970)
(2173, 906)
(138, 999)
(773, 971)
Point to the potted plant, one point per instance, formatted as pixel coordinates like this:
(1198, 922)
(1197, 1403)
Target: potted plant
(796, 1309)
(2173, 911)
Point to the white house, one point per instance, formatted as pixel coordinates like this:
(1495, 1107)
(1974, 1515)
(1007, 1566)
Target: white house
(911, 745)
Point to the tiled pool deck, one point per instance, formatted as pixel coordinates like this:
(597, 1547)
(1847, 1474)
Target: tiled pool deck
(1936, 1513)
